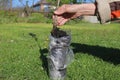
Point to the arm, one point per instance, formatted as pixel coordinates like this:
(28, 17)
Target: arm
(104, 10)
(101, 8)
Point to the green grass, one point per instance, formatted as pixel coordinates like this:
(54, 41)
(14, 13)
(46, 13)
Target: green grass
(96, 48)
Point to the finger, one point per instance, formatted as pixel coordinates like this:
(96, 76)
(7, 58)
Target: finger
(60, 19)
(53, 17)
(62, 22)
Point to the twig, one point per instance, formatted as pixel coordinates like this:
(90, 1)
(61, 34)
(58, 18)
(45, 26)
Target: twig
(58, 3)
(55, 19)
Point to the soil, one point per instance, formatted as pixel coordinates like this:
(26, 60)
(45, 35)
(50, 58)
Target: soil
(57, 33)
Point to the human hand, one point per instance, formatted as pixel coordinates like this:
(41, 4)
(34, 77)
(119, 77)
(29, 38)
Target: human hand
(65, 13)
(68, 12)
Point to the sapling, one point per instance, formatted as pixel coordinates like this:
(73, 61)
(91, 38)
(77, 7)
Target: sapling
(60, 54)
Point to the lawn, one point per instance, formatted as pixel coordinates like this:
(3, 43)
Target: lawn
(96, 48)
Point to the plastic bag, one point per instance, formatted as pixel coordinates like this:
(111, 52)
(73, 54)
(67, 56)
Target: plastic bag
(60, 55)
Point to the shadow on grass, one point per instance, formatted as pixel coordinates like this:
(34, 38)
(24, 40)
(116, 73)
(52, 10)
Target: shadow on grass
(110, 55)
(43, 53)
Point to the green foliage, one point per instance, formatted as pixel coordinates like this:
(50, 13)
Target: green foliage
(8, 17)
(36, 18)
(74, 1)
(96, 48)
(61, 2)
(12, 17)
(21, 20)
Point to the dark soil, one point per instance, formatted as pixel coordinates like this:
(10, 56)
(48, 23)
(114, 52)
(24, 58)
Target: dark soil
(57, 33)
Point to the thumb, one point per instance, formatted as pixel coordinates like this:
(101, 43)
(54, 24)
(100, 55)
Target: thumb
(61, 10)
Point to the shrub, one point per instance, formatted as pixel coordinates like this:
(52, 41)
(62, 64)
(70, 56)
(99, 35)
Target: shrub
(7, 16)
(12, 17)
(21, 19)
(36, 18)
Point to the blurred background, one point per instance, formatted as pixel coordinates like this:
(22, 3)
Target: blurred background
(32, 11)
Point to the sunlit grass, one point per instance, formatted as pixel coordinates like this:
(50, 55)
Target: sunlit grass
(96, 48)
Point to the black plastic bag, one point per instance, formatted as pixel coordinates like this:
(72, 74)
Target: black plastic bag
(60, 55)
